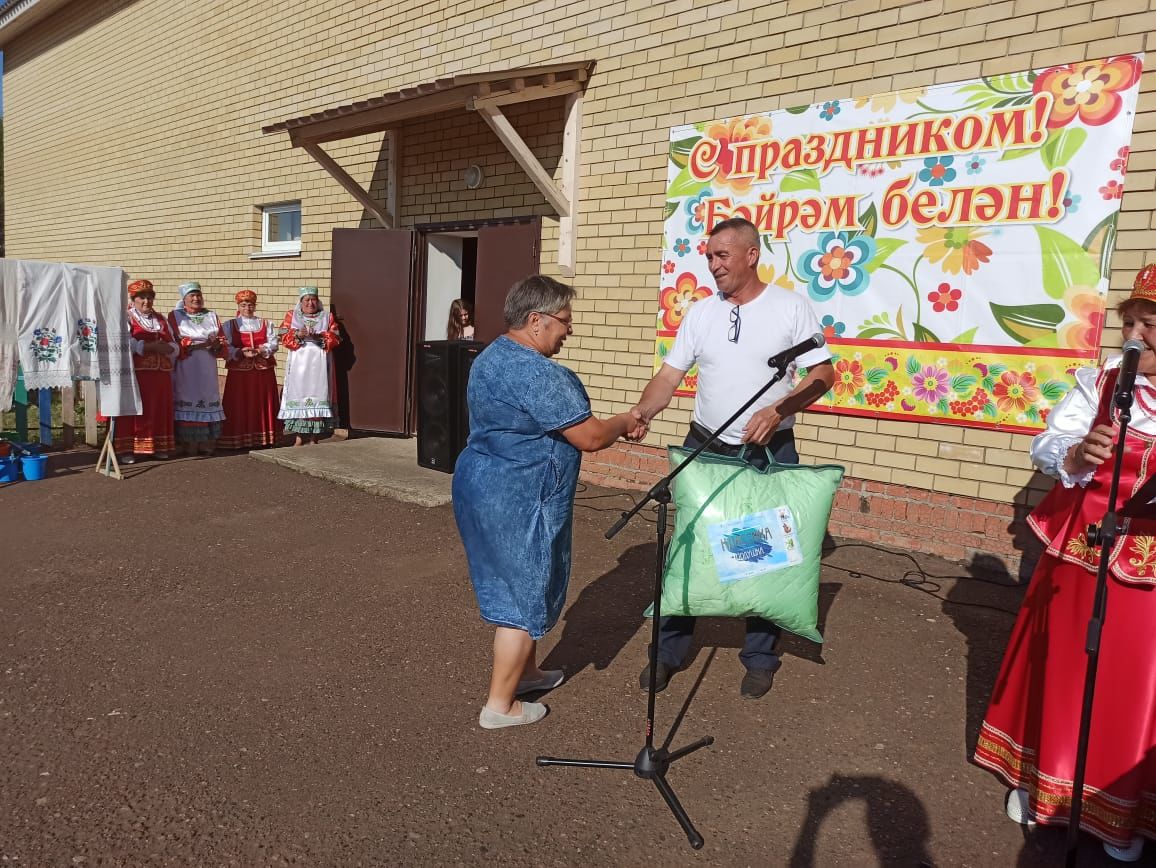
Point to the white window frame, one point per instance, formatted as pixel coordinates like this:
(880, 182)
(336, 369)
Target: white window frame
(279, 248)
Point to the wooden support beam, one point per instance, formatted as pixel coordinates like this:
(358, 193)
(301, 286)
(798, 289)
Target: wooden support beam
(543, 91)
(525, 158)
(88, 390)
(392, 171)
(377, 119)
(571, 154)
(346, 180)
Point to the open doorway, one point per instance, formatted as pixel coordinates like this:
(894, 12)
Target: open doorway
(451, 271)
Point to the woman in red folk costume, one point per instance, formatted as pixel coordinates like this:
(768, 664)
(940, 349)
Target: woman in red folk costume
(1029, 734)
(251, 400)
(310, 334)
(153, 351)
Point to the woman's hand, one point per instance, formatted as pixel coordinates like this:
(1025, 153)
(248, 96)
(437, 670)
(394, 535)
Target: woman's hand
(249, 352)
(1096, 448)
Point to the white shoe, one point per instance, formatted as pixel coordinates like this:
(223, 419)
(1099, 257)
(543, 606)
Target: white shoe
(1017, 808)
(1131, 853)
(532, 712)
(550, 679)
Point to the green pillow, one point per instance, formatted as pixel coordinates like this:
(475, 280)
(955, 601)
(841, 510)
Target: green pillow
(749, 541)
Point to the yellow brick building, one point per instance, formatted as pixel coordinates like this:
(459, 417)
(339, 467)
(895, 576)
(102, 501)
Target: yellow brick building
(134, 137)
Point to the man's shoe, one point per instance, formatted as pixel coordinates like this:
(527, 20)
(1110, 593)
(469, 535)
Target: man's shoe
(532, 712)
(662, 671)
(756, 683)
(1131, 853)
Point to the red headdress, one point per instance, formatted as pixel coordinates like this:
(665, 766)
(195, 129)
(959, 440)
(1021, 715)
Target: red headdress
(246, 295)
(140, 287)
(1145, 285)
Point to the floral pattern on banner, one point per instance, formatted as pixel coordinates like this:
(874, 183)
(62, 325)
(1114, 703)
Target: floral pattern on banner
(948, 385)
(955, 241)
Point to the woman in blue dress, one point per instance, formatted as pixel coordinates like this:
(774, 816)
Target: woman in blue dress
(514, 487)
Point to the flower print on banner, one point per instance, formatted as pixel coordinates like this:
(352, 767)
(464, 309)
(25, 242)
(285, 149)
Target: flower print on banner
(1071, 202)
(676, 300)
(695, 208)
(46, 345)
(1112, 190)
(726, 134)
(837, 265)
(832, 328)
(850, 377)
(829, 109)
(974, 164)
(1087, 306)
(958, 248)
(86, 331)
(945, 297)
(668, 267)
(871, 170)
(682, 246)
(937, 171)
(930, 384)
(885, 102)
(701, 248)
(768, 276)
(1120, 164)
(1015, 392)
(1089, 91)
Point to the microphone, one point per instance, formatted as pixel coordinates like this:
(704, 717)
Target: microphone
(781, 360)
(1127, 379)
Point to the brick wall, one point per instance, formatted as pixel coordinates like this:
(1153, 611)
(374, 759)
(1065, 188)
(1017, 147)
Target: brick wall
(133, 138)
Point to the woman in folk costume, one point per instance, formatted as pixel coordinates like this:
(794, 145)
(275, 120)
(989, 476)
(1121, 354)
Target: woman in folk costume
(251, 400)
(310, 334)
(1030, 731)
(153, 351)
(196, 389)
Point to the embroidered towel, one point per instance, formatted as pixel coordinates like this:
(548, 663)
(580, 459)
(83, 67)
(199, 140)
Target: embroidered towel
(119, 395)
(82, 350)
(46, 324)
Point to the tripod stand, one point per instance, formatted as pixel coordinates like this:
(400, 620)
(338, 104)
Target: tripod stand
(653, 763)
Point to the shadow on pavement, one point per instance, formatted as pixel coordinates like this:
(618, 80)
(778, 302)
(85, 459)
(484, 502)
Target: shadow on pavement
(606, 615)
(897, 822)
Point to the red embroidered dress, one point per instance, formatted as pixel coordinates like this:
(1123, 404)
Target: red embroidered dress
(251, 398)
(1029, 734)
(152, 431)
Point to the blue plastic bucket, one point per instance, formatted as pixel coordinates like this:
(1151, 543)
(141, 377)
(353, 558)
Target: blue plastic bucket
(35, 467)
(9, 470)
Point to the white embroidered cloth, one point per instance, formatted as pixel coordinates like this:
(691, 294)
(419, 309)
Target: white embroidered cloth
(119, 394)
(196, 389)
(84, 361)
(305, 392)
(9, 329)
(46, 324)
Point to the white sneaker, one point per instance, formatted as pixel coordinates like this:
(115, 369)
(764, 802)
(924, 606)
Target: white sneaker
(532, 712)
(1017, 808)
(1131, 853)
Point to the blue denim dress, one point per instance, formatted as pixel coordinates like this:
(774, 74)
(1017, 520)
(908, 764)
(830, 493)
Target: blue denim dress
(514, 484)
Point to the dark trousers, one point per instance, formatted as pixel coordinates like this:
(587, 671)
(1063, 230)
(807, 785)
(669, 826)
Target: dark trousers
(676, 631)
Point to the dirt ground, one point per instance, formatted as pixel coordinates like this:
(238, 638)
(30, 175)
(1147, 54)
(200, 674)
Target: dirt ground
(222, 662)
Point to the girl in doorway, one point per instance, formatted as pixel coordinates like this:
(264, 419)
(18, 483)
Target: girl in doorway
(461, 324)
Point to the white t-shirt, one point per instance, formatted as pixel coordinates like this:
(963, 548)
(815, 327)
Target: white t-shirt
(729, 373)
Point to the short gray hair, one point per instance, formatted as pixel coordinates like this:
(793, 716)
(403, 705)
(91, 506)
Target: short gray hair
(535, 293)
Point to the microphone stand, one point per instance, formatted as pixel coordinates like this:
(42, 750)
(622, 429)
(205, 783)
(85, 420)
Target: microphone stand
(652, 763)
(1104, 535)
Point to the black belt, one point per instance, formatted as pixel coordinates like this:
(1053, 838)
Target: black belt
(721, 448)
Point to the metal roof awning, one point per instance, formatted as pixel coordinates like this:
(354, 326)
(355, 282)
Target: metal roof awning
(483, 92)
(469, 92)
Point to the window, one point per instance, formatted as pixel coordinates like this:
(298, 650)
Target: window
(281, 228)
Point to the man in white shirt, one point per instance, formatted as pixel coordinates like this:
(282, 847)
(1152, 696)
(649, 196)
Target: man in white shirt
(731, 336)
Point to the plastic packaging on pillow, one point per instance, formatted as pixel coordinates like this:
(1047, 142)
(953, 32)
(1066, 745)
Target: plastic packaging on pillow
(749, 541)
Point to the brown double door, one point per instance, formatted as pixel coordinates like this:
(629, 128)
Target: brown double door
(377, 298)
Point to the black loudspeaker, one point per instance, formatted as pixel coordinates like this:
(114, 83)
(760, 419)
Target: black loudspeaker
(443, 421)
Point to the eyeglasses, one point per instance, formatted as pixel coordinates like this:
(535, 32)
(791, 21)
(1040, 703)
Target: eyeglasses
(569, 323)
(736, 325)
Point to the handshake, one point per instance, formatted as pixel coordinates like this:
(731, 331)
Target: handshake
(638, 425)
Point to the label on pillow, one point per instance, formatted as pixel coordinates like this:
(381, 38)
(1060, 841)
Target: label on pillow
(754, 544)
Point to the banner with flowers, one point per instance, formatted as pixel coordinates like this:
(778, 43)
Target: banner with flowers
(955, 240)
